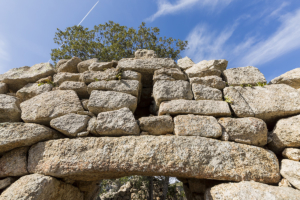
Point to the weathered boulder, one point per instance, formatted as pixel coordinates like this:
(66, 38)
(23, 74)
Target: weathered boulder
(144, 54)
(65, 76)
(291, 78)
(4, 183)
(202, 107)
(284, 183)
(286, 133)
(248, 130)
(101, 66)
(243, 75)
(292, 154)
(70, 124)
(171, 74)
(60, 62)
(14, 163)
(210, 81)
(126, 86)
(69, 66)
(171, 90)
(291, 171)
(185, 63)
(207, 68)
(3, 88)
(250, 190)
(33, 89)
(89, 159)
(9, 109)
(157, 125)
(79, 87)
(203, 92)
(114, 123)
(14, 135)
(39, 187)
(83, 66)
(268, 103)
(19, 77)
(195, 125)
(43, 108)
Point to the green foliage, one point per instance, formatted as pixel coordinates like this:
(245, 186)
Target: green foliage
(228, 99)
(47, 82)
(96, 79)
(111, 41)
(261, 84)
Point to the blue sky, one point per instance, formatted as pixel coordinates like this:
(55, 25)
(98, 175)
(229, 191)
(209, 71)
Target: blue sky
(260, 33)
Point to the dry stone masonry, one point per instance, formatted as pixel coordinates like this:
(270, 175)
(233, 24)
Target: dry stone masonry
(225, 133)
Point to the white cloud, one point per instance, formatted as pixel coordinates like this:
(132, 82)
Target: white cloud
(165, 7)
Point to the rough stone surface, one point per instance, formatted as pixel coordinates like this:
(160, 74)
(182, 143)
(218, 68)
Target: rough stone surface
(268, 103)
(14, 163)
(243, 75)
(79, 87)
(202, 107)
(207, 68)
(286, 133)
(210, 81)
(100, 66)
(144, 54)
(114, 123)
(19, 77)
(185, 63)
(103, 101)
(171, 74)
(248, 130)
(84, 103)
(69, 66)
(3, 88)
(157, 125)
(203, 92)
(60, 62)
(284, 183)
(170, 90)
(18, 134)
(195, 125)
(9, 109)
(32, 89)
(65, 76)
(43, 108)
(292, 154)
(84, 65)
(250, 190)
(291, 78)
(291, 171)
(89, 159)
(70, 124)
(126, 86)
(4, 183)
(39, 187)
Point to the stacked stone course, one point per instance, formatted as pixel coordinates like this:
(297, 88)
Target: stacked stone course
(224, 133)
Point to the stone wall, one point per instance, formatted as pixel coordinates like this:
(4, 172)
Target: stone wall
(225, 133)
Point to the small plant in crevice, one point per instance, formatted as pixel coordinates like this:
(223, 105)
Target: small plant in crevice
(119, 75)
(261, 84)
(228, 99)
(46, 82)
(96, 79)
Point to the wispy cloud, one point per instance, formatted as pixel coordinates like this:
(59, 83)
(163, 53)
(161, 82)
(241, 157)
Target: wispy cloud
(166, 8)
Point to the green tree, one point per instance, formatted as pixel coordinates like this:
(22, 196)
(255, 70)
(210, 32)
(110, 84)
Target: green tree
(111, 41)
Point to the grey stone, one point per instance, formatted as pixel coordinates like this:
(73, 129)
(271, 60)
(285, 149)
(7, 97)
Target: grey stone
(144, 54)
(69, 66)
(39, 187)
(201, 107)
(3, 88)
(114, 123)
(103, 101)
(195, 125)
(171, 74)
(83, 66)
(89, 159)
(291, 171)
(203, 92)
(43, 108)
(9, 109)
(292, 154)
(19, 77)
(101, 66)
(65, 76)
(83, 134)
(185, 63)
(79, 87)
(268, 103)
(250, 190)
(32, 89)
(84, 103)
(210, 81)
(87, 113)
(60, 62)
(4, 183)
(243, 75)
(171, 90)
(18, 134)
(248, 130)
(207, 68)
(14, 163)
(157, 125)
(291, 78)
(70, 124)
